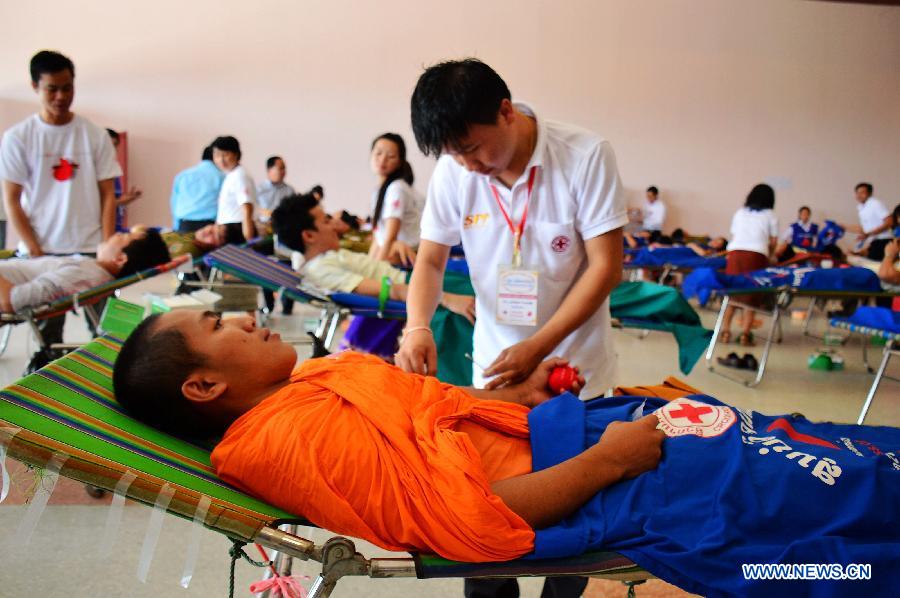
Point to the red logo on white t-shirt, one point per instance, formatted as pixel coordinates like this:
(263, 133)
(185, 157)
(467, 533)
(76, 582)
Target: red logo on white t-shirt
(684, 416)
(65, 170)
(560, 244)
(396, 204)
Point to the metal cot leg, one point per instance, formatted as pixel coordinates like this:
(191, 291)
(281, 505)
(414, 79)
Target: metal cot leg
(888, 351)
(716, 330)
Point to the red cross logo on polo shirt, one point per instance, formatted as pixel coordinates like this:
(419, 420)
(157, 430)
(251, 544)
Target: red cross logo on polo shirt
(560, 244)
(691, 413)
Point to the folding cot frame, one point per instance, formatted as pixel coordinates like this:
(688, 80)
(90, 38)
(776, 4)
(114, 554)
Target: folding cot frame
(65, 414)
(891, 347)
(85, 300)
(782, 298)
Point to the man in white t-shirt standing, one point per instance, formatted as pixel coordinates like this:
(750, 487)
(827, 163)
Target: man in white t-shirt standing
(539, 210)
(58, 169)
(653, 213)
(237, 197)
(874, 223)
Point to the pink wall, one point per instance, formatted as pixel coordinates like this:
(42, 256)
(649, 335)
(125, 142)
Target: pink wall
(703, 98)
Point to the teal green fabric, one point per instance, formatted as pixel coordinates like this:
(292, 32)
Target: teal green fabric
(657, 307)
(453, 335)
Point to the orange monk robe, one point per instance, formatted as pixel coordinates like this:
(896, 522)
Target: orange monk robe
(361, 448)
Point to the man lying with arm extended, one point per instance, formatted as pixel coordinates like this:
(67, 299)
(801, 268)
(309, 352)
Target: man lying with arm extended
(362, 448)
(37, 281)
(302, 225)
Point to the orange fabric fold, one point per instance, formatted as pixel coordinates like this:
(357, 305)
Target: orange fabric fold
(671, 389)
(361, 448)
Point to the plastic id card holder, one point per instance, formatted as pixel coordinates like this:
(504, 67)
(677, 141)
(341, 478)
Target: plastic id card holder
(517, 296)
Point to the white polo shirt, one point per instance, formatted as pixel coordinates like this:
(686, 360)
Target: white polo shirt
(577, 195)
(752, 229)
(403, 202)
(872, 213)
(654, 215)
(237, 189)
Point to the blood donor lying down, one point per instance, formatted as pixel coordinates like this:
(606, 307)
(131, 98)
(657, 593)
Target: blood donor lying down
(689, 489)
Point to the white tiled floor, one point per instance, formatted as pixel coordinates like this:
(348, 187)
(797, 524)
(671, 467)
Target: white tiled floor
(62, 558)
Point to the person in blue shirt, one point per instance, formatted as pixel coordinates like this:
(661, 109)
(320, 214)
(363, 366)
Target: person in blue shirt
(195, 195)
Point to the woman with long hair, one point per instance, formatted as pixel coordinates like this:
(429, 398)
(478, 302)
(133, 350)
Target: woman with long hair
(396, 206)
(754, 231)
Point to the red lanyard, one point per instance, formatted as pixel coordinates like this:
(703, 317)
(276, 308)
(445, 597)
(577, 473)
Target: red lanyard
(516, 230)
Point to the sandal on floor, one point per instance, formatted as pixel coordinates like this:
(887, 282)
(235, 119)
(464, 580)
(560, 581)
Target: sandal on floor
(749, 362)
(746, 339)
(725, 337)
(731, 361)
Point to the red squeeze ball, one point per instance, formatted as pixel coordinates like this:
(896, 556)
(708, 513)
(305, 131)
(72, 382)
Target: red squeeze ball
(562, 378)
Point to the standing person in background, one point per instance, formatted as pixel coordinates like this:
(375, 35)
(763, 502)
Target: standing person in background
(58, 169)
(195, 194)
(396, 206)
(58, 172)
(237, 198)
(754, 230)
(271, 191)
(123, 198)
(269, 194)
(653, 212)
(874, 223)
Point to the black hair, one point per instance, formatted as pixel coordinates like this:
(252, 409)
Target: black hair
(449, 98)
(652, 189)
(143, 253)
(293, 216)
(761, 197)
(234, 233)
(804, 208)
(113, 135)
(351, 220)
(147, 379)
(228, 144)
(207, 153)
(270, 162)
(896, 215)
(678, 235)
(48, 61)
(318, 189)
(404, 171)
(868, 187)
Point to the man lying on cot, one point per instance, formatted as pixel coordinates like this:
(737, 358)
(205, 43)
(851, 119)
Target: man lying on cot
(37, 281)
(302, 225)
(362, 448)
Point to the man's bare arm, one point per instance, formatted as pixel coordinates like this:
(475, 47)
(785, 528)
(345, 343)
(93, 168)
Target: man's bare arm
(418, 353)
(107, 206)
(248, 229)
(12, 200)
(6, 295)
(546, 497)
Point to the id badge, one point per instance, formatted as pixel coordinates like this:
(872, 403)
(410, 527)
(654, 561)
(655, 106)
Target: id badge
(517, 296)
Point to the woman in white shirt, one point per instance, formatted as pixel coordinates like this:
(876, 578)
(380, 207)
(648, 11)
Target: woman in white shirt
(754, 231)
(396, 206)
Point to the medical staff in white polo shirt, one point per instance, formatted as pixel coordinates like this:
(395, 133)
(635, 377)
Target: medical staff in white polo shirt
(874, 223)
(539, 210)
